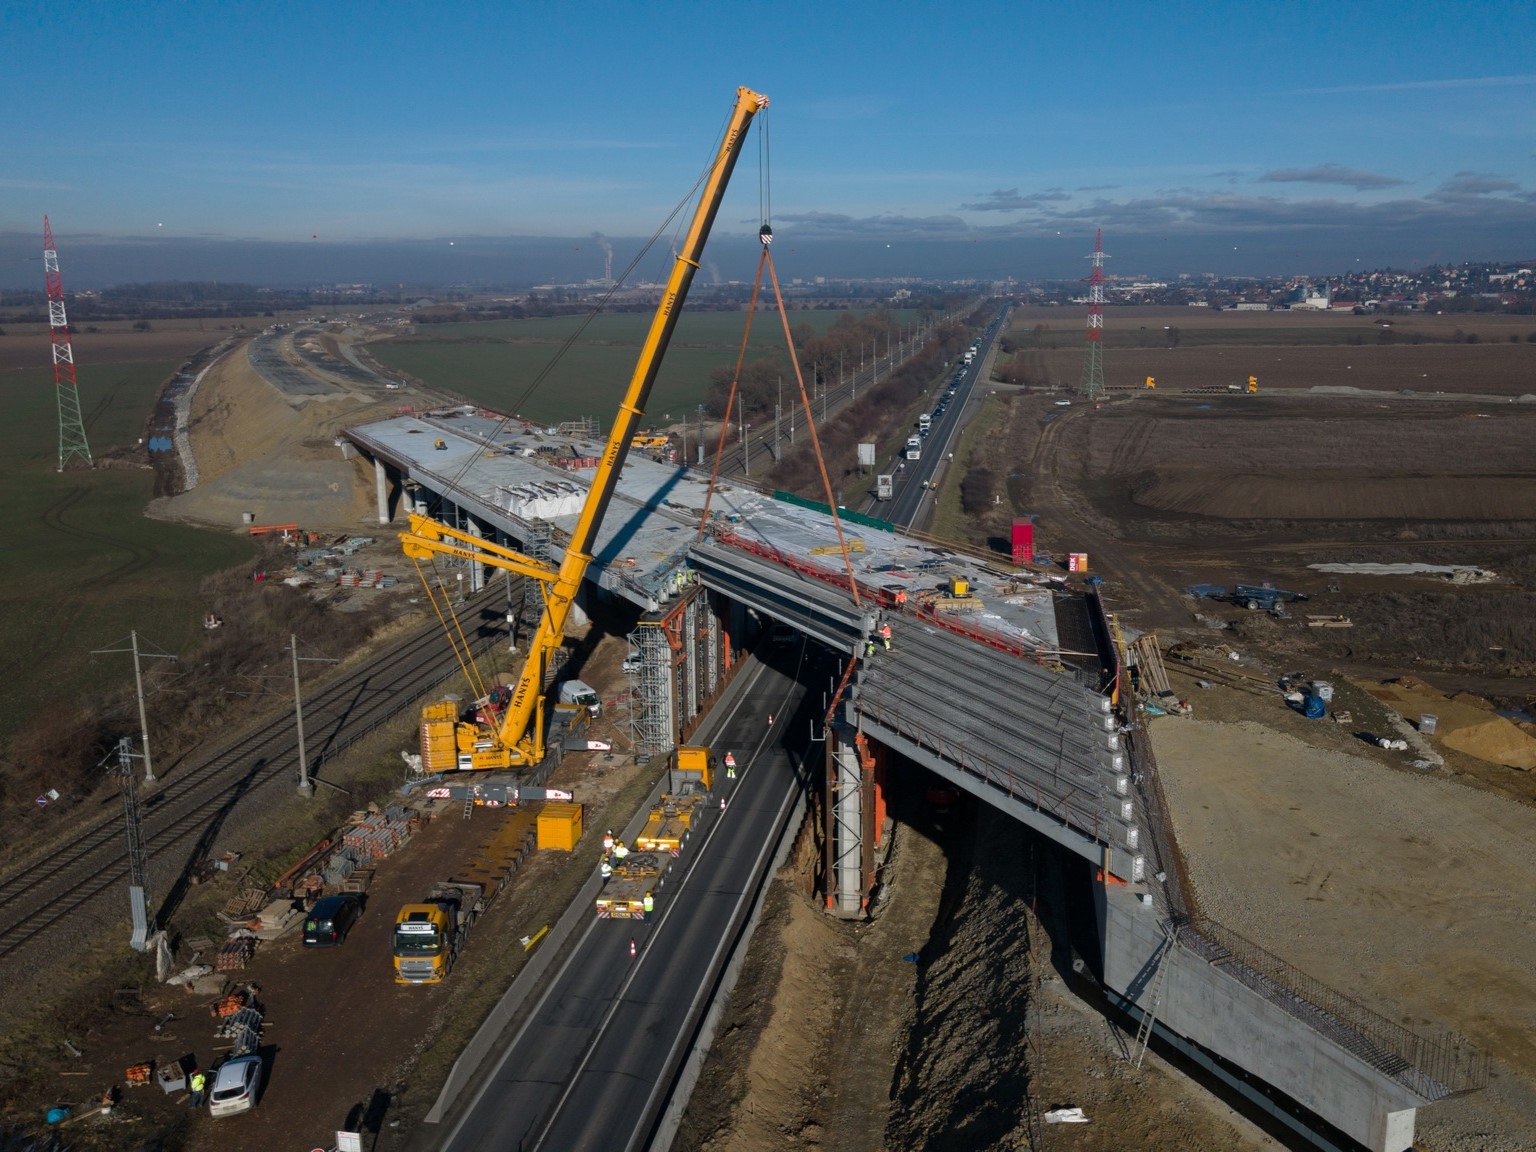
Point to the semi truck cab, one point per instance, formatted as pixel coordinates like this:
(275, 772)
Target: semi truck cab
(422, 934)
(427, 935)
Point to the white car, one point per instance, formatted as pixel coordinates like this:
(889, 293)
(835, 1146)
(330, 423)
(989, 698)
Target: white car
(235, 1086)
(632, 662)
(1063, 403)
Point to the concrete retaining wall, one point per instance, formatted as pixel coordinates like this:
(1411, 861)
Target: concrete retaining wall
(1201, 1002)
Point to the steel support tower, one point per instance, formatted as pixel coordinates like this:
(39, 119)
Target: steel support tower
(1093, 366)
(72, 441)
(652, 727)
(539, 545)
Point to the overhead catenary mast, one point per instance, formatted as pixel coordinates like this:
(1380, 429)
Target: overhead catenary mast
(72, 441)
(1093, 366)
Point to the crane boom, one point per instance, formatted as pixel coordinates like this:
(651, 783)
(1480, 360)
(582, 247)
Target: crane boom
(518, 741)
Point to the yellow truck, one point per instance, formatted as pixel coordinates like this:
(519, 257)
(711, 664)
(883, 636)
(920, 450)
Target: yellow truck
(632, 874)
(428, 935)
(692, 769)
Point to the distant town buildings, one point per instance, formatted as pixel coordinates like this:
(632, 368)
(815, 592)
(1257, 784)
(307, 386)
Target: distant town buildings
(1489, 287)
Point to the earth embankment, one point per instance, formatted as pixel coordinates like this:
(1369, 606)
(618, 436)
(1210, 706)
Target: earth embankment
(272, 455)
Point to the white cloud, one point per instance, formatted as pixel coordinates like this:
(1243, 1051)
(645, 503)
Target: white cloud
(1331, 174)
(1420, 85)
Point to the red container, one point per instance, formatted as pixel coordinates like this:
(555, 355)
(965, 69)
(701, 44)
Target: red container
(1023, 541)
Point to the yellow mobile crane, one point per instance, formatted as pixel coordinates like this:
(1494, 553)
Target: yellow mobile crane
(447, 742)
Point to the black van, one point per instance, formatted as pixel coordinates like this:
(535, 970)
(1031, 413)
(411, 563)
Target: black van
(330, 920)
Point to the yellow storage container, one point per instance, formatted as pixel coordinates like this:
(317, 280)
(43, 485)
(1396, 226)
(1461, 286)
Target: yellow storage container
(560, 826)
(439, 736)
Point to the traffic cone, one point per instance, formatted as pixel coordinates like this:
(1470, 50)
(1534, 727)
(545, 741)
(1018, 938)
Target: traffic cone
(631, 948)
(722, 803)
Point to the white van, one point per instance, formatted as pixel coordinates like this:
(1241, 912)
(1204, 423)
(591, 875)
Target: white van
(583, 695)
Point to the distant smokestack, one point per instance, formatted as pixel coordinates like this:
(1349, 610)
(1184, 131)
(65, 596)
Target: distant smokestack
(602, 242)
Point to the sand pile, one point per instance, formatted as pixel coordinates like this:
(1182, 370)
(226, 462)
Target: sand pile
(1465, 723)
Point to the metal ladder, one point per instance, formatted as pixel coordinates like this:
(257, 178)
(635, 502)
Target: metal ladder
(1153, 999)
(469, 807)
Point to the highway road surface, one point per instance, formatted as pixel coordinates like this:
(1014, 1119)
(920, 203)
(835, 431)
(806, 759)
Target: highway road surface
(593, 1063)
(911, 503)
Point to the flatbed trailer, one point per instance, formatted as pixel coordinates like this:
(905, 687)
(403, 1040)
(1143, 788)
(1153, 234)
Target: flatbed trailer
(623, 896)
(670, 823)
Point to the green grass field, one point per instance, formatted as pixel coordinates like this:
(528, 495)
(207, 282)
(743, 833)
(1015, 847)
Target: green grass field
(496, 362)
(82, 566)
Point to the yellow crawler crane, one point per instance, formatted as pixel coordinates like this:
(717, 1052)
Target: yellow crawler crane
(449, 742)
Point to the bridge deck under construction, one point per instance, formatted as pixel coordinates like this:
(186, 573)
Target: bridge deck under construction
(510, 474)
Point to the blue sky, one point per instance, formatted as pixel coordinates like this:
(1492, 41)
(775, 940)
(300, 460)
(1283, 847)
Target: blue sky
(1231, 137)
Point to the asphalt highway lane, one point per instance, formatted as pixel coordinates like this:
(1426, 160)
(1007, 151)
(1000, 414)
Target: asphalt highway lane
(592, 1064)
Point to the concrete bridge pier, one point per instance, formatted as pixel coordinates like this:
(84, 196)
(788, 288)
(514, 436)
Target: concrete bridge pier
(381, 488)
(477, 571)
(855, 819)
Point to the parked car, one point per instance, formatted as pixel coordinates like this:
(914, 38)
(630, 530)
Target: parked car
(331, 919)
(235, 1086)
(632, 662)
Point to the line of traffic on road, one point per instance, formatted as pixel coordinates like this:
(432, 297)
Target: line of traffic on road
(930, 446)
(593, 1052)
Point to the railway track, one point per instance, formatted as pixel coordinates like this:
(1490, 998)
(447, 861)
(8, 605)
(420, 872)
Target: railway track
(198, 799)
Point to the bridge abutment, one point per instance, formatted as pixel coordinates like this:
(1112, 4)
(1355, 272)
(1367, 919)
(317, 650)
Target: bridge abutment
(1221, 1002)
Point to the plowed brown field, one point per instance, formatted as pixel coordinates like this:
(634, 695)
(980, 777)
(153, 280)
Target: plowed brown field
(28, 345)
(1334, 458)
(1241, 495)
(1461, 353)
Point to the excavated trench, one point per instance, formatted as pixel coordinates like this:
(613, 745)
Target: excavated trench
(947, 1021)
(960, 1081)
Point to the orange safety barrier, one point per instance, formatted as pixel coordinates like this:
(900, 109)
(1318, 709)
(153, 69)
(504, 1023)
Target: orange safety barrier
(268, 529)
